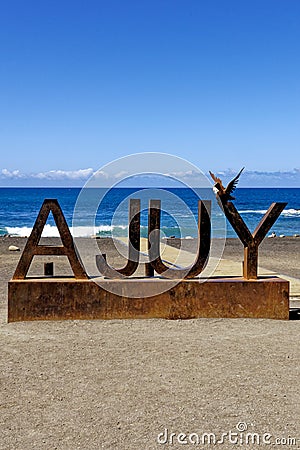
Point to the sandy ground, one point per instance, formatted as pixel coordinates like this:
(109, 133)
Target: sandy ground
(279, 254)
(118, 384)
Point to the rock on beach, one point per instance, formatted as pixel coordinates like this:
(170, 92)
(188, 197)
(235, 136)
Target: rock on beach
(13, 248)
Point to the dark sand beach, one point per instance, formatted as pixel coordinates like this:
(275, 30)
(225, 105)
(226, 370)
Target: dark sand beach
(281, 255)
(118, 384)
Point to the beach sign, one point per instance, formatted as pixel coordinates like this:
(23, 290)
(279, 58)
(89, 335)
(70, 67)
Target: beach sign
(251, 241)
(165, 291)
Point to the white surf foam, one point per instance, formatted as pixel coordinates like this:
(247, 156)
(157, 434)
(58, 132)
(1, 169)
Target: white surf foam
(286, 212)
(52, 231)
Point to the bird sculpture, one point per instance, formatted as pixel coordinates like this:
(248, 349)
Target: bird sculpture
(225, 193)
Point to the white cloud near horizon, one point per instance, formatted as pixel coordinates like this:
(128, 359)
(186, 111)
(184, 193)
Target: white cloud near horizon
(79, 176)
(49, 175)
(10, 174)
(64, 174)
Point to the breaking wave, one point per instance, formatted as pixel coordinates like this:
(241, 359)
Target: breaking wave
(101, 231)
(52, 231)
(286, 212)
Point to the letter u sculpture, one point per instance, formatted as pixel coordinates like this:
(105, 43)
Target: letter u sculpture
(155, 260)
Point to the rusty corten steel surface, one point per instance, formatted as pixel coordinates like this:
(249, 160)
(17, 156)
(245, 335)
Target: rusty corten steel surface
(250, 241)
(56, 299)
(133, 246)
(32, 247)
(149, 271)
(204, 231)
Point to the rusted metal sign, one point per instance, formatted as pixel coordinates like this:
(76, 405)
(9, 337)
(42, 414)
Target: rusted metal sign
(68, 298)
(133, 246)
(80, 297)
(250, 241)
(204, 231)
(51, 298)
(32, 247)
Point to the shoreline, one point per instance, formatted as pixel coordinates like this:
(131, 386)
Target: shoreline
(281, 255)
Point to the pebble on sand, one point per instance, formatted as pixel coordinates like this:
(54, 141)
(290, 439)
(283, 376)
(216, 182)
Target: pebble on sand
(13, 248)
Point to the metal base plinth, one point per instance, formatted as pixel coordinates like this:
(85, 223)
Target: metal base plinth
(68, 298)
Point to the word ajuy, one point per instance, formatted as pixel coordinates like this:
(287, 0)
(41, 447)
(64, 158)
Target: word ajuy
(250, 241)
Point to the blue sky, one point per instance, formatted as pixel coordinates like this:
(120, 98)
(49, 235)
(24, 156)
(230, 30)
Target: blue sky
(83, 83)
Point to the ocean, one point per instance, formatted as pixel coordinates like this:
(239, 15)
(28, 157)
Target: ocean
(19, 208)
